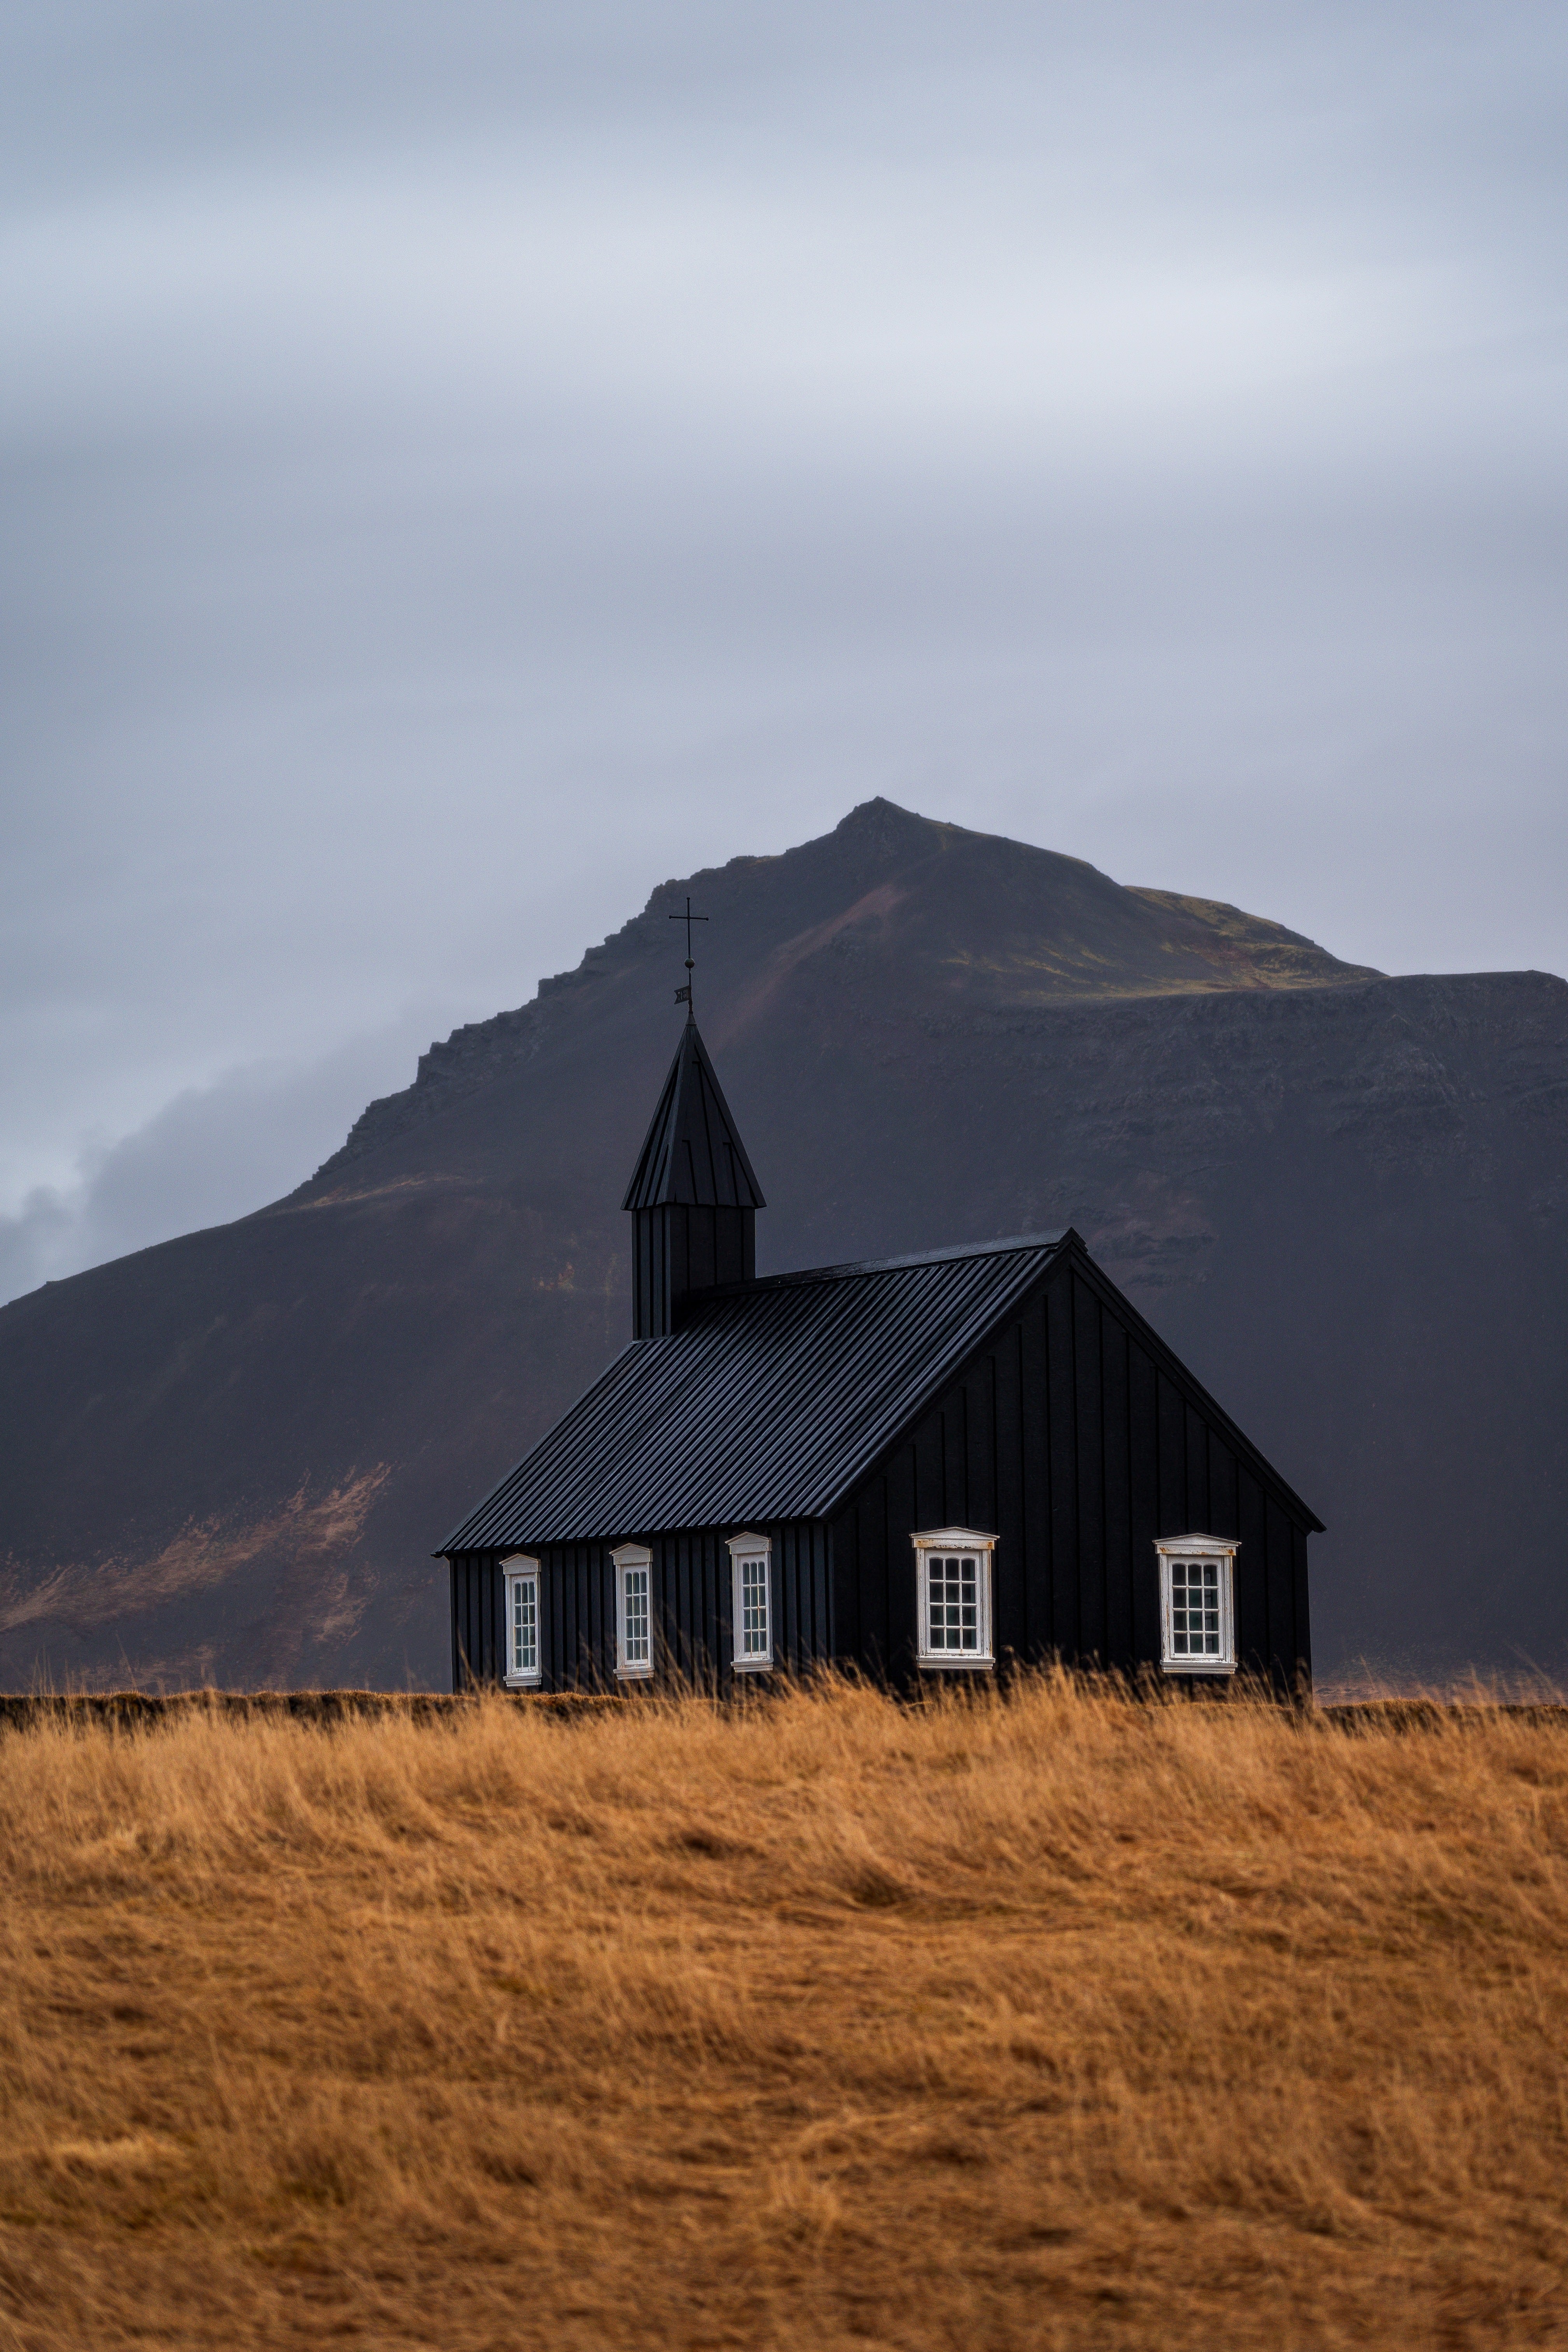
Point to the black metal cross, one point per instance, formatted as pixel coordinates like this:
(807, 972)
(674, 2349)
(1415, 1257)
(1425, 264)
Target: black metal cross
(683, 995)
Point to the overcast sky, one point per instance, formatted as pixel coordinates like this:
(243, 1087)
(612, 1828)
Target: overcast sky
(464, 464)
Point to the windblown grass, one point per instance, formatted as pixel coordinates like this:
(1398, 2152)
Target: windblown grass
(1058, 2020)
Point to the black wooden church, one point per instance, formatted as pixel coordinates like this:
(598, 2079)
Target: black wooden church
(920, 1465)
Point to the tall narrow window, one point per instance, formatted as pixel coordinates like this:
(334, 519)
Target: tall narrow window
(750, 1585)
(634, 1609)
(521, 1619)
(953, 1597)
(1197, 1605)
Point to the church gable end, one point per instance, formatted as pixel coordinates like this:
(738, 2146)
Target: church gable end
(1076, 1438)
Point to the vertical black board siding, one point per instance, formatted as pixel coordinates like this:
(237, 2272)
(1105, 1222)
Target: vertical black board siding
(1174, 1520)
(876, 1587)
(929, 1452)
(789, 1629)
(795, 1603)
(1281, 1595)
(1143, 1481)
(660, 1580)
(699, 1633)
(789, 1552)
(1301, 1665)
(663, 1591)
(1089, 1416)
(905, 1516)
(1253, 1632)
(724, 1608)
(472, 1648)
(1034, 1539)
(716, 1610)
(849, 1580)
(980, 1447)
(1010, 1566)
(599, 1605)
(563, 1619)
(1198, 1523)
(1222, 1469)
(453, 1571)
(1061, 1420)
(955, 1451)
(595, 1635)
(706, 1629)
(568, 1665)
(1120, 1639)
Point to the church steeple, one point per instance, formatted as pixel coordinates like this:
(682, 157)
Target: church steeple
(693, 1198)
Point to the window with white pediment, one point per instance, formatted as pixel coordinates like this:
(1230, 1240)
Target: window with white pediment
(953, 1597)
(1197, 1605)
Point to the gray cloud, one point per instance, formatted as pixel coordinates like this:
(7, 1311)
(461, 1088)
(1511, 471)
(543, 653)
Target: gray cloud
(210, 1154)
(462, 466)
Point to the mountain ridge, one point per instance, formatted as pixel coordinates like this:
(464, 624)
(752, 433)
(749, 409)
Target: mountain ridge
(1214, 938)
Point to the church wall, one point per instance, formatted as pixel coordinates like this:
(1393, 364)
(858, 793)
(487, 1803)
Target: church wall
(692, 1593)
(678, 1249)
(1074, 1438)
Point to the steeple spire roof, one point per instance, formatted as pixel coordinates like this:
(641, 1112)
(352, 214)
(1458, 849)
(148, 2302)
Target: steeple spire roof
(693, 1154)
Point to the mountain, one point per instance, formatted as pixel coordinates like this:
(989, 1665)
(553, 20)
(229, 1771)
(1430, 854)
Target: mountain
(1341, 1197)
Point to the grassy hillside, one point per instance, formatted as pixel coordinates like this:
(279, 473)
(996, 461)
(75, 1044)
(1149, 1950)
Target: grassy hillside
(1063, 2020)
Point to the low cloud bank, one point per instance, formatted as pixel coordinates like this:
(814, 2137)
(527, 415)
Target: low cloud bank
(211, 1154)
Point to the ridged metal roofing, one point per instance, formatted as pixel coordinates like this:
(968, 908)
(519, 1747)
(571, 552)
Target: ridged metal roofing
(768, 1404)
(692, 1152)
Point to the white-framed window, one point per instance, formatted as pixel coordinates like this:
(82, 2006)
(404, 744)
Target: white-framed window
(750, 1586)
(521, 1574)
(953, 1597)
(1197, 1605)
(634, 1609)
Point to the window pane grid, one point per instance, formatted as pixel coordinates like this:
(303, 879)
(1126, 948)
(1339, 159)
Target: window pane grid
(524, 1625)
(1194, 1609)
(636, 1648)
(755, 1631)
(953, 1602)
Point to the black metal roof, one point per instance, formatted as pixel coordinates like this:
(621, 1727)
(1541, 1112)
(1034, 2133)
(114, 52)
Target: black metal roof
(768, 1404)
(692, 1152)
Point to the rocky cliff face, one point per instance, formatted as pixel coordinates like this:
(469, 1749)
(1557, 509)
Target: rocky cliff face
(1341, 1197)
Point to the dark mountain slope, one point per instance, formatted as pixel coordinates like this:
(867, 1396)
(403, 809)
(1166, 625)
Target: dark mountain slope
(1341, 1197)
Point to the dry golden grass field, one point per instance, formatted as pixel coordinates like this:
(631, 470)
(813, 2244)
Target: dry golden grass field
(1059, 2020)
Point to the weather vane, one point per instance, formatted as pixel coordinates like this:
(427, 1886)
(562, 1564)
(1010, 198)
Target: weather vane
(683, 995)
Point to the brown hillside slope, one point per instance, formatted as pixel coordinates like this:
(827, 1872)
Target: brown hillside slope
(1060, 2021)
(1338, 1197)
